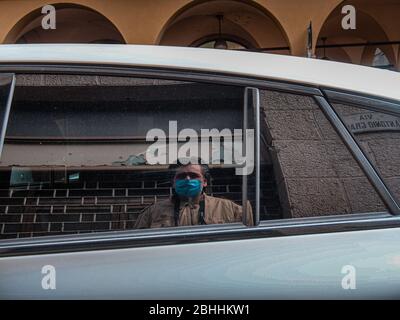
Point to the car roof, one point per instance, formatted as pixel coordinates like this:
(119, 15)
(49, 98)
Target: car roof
(349, 77)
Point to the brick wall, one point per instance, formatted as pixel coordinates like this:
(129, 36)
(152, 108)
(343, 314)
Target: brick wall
(105, 201)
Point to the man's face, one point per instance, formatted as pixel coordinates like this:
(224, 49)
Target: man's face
(191, 171)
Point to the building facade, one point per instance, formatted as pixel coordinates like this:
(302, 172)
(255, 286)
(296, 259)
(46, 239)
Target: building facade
(360, 31)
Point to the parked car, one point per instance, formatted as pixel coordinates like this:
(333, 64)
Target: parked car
(75, 174)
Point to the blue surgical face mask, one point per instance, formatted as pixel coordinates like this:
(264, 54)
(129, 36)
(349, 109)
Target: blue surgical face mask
(188, 188)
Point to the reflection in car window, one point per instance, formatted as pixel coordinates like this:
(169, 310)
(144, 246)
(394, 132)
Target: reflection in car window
(81, 154)
(378, 135)
(190, 202)
(316, 174)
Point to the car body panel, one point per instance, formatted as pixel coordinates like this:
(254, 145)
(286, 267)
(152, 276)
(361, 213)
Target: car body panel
(284, 266)
(291, 267)
(361, 79)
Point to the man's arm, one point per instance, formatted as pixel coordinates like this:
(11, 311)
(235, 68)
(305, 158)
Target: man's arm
(145, 218)
(238, 212)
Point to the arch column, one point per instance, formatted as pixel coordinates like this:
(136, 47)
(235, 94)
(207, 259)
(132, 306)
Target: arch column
(295, 16)
(397, 67)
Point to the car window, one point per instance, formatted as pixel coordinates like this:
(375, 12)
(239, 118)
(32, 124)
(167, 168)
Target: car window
(378, 135)
(93, 153)
(315, 173)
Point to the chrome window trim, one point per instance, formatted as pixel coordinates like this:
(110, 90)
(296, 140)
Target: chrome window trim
(4, 122)
(171, 74)
(369, 170)
(257, 151)
(244, 147)
(363, 101)
(255, 102)
(196, 234)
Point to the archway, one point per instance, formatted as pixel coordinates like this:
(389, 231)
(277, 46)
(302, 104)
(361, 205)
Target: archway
(74, 24)
(244, 25)
(356, 46)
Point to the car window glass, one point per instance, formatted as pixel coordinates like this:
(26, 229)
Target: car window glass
(92, 153)
(378, 135)
(315, 173)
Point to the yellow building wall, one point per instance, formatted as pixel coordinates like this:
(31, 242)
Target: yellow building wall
(142, 21)
(145, 21)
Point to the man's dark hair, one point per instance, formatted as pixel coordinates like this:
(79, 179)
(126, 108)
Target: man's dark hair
(205, 170)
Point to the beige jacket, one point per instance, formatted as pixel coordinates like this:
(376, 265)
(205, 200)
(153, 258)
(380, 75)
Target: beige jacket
(217, 210)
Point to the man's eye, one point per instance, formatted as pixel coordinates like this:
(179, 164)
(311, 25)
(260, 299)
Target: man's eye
(194, 176)
(191, 175)
(181, 176)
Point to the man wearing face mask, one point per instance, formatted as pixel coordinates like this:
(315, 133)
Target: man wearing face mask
(190, 205)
